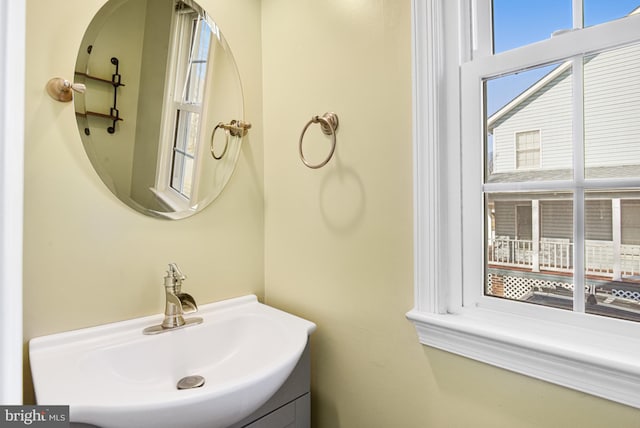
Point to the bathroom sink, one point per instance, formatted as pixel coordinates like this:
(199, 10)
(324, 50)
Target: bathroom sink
(114, 376)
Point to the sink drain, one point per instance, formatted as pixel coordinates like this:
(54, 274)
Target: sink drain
(190, 382)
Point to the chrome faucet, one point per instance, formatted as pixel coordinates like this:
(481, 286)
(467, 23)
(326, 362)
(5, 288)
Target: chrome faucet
(177, 304)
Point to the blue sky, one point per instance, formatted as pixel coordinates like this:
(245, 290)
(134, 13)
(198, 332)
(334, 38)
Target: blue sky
(517, 23)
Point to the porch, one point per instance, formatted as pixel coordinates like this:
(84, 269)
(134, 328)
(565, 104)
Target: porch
(602, 258)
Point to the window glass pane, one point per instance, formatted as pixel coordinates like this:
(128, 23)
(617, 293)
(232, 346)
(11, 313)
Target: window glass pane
(203, 41)
(177, 171)
(187, 132)
(612, 254)
(198, 63)
(184, 152)
(599, 11)
(182, 131)
(195, 84)
(187, 177)
(519, 23)
(192, 139)
(182, 174)
(528, 125)
(529, 248)
(612, 113)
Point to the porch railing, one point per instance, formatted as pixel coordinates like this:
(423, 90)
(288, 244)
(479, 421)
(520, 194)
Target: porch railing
(557, 255)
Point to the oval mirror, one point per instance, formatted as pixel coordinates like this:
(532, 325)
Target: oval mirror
(162, 115)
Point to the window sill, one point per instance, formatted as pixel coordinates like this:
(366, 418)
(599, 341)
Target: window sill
(604, 365)
(171, 199)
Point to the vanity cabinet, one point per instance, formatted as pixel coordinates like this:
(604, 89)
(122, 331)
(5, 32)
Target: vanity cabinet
(290, 406)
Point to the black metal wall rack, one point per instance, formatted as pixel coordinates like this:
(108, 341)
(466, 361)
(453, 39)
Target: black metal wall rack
(116, 82)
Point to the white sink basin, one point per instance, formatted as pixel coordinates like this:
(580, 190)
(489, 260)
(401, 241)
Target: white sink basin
(113, 376)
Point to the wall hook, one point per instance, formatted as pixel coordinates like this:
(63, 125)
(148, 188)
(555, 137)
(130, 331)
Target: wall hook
(61, 89)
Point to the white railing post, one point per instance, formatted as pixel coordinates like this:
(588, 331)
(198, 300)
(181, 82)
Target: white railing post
(535, 235)
(617, 238)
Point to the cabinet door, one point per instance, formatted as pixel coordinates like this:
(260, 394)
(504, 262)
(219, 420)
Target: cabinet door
(294, 415)
(284, 417)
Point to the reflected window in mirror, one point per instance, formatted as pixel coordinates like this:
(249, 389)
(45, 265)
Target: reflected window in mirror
(181, 151)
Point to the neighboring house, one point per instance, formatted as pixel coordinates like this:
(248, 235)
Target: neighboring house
(532, 140)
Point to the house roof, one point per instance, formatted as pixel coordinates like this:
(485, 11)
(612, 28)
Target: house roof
(618, 171)
(544, 81)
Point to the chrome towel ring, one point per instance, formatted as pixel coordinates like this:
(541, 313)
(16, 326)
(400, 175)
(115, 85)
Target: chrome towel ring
(226, 142)
(329, 124)
(236, 128)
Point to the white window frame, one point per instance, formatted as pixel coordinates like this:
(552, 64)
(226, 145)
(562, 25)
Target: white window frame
(449, 313)
(177, 69)
(12, 100)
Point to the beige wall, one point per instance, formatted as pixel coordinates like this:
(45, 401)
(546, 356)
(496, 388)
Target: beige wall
(88, 258)
(339, 239)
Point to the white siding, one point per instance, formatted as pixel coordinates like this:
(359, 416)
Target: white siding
(630, 222)
(556, 219)
(505, 218)
(612, 108)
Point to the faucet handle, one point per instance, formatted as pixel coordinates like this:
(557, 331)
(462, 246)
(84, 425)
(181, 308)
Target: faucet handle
(175, 272)
(174, 277)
